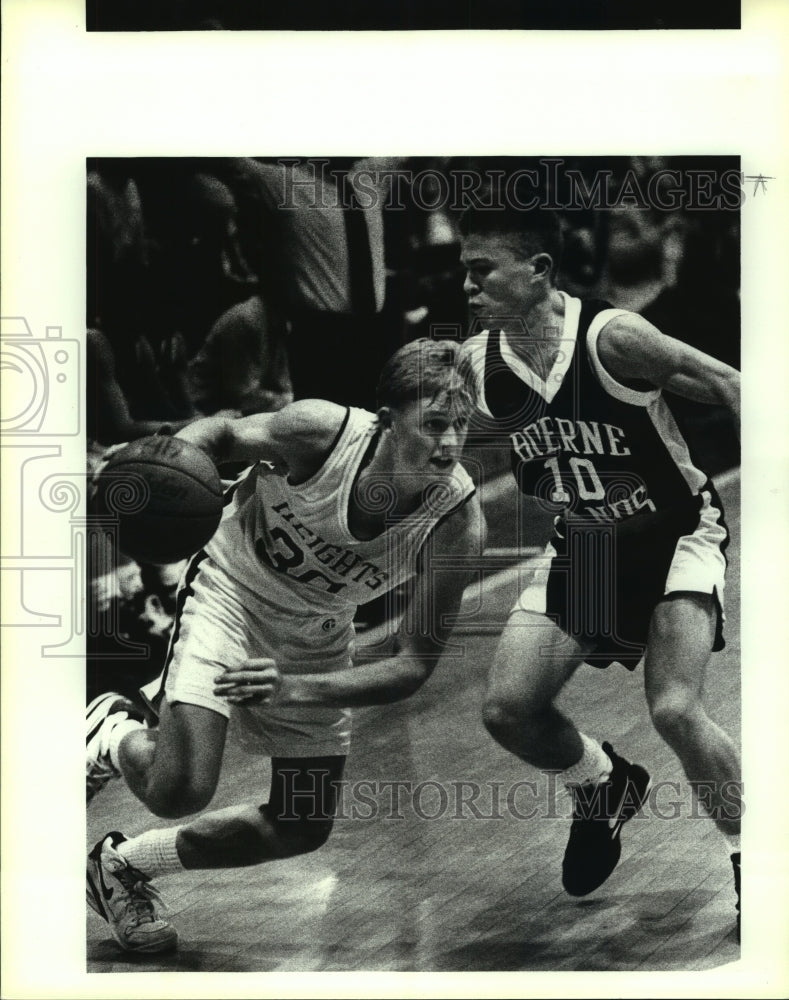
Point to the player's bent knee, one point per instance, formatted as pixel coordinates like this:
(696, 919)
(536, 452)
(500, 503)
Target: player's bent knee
(507, 724)
(302, 837)
(315, 836)
(498, 720)
(675, 715)
(184, 800)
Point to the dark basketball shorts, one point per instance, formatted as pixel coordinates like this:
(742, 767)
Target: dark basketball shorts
(601, 582)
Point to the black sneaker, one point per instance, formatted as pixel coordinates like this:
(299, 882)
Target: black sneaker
(735, 862)
(599, 812)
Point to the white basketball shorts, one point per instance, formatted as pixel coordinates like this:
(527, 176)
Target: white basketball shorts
(219, 623)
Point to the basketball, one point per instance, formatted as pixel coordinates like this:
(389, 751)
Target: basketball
(166, 495)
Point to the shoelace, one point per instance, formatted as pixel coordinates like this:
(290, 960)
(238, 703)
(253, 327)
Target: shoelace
(96, 779)
(100, 768)
(141, 895)
(98, 773)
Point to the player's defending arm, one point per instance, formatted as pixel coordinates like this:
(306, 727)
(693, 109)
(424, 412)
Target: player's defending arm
(296, 438)
(632, 350)
(434, 598)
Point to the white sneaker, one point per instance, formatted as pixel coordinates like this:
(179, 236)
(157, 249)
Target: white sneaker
(101, 716)
(126, 899)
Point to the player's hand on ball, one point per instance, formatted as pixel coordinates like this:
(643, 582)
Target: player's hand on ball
(100, 466)
(255, 682)
(166, 496)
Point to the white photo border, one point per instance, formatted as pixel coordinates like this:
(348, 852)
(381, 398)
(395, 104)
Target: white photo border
(68, 94)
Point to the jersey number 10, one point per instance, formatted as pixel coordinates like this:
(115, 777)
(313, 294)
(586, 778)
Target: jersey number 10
(587, 480)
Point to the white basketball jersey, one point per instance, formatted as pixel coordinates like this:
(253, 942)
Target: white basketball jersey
(291, 544)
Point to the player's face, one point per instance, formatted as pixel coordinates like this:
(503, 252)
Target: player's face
(499, 283)
(429, 434)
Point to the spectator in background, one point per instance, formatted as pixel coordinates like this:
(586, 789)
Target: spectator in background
(640, 245)
(165, 263)
(242, 364)
(135, 389)
(438, 305)
(136, 377)
(198, 268)
(332, 250)
(116, 249)
(703, 306)
(643, 248)
(582, 260)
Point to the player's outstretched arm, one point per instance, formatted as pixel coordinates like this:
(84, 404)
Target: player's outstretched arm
(296, 438)
(633, 350)
(434, 598)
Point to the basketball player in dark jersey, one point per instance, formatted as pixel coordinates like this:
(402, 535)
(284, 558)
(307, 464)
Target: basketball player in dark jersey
(635, 567)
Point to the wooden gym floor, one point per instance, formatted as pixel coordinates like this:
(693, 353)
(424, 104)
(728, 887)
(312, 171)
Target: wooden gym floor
(461, 891)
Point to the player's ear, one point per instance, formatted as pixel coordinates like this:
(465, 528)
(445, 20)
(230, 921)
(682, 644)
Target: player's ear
(384, 415)
(542, 264)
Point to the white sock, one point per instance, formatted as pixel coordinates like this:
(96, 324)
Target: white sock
(594, 766)
(153, 853)
(117, 732)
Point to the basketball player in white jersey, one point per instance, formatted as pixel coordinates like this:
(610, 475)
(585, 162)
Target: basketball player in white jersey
(340, 506)
(635, 568)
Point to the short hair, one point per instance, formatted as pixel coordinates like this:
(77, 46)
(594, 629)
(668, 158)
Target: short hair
(423, 369)
(535, 230)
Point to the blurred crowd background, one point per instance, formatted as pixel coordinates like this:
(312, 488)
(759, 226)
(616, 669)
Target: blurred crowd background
(205, 295)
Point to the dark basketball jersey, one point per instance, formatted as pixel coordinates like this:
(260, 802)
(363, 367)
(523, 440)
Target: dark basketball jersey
(582, 443)
(634, 518)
